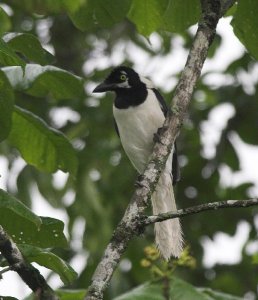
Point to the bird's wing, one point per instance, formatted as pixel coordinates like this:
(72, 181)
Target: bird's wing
(116, 128)
(175, 164)
(162, 102)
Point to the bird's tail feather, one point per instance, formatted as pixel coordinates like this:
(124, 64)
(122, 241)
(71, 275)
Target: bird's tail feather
(169, 237)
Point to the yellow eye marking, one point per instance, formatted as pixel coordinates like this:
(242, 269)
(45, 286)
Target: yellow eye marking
(123, 77)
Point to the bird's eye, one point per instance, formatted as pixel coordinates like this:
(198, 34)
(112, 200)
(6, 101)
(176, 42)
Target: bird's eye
(123, 77)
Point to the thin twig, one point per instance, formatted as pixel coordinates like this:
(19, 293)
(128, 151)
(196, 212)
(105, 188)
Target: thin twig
(27, 272)
(197, 209)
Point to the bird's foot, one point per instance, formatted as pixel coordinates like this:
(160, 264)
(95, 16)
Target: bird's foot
(139, 180)
(156, 136)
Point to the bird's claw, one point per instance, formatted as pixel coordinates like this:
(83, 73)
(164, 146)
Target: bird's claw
(138, 182)
(156, 136)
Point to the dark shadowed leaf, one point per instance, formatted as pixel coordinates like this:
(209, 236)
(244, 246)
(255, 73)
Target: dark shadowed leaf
(8, 57)
(49, 260)
(6, 106)
(40, 6)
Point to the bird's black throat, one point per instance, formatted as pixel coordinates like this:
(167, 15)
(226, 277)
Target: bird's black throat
(130, 97)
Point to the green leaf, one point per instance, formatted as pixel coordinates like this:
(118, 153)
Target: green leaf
(149, 290)
(147, 15)
(6, 106)
(41, 146)
(29, 46)
(10, 208)
(228, 155)
(40, 81)
(97, 13)
(245, 24)
(51, 234)
(218, 295)
(8, 57)
(4, 21)
(40, 6)
(7, 298)
(71, 294)
(73, 5)
(181, 14)
(49, 260)
(29, 228)
(179, 290)
(65, 295)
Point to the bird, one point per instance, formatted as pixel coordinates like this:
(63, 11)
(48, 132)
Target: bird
(139, 110)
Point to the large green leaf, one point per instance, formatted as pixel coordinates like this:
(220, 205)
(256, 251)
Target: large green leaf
(11, 208)
(181, 14)
(179, 290)
(8, 57)
(29, 46)
(41, 146)
(245, 24)
(98, 13)
(147, 15)
(4, 21)
(6, 106)
(170, 15)
(49, 260)
(48, 235)
(26, 227)
(41, 81)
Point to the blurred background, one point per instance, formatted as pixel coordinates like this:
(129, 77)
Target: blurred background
(218, 153)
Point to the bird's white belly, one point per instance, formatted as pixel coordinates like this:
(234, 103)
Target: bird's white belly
(137, 126)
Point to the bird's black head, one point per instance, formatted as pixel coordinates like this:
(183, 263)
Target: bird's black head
(120, 78)
(130, 88)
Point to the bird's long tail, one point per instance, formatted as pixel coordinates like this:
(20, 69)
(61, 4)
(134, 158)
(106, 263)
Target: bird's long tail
(169, 237)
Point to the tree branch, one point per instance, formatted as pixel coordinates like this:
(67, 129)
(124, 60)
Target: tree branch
(27, 272)
(129, 225)
(197, 209)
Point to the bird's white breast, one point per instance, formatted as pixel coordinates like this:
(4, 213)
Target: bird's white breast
(137, 126)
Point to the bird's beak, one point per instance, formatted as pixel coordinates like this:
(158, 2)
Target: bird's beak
(103, 87)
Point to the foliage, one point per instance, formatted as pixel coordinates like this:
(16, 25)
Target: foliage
(49, 117)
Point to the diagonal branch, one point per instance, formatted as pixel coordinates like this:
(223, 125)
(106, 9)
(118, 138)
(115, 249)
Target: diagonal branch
(197, 209)
(129, 225)
(27, 272)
